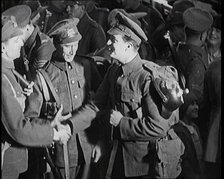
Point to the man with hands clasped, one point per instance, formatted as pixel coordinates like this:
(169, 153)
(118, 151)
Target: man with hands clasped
(18, 130)
(72, 84)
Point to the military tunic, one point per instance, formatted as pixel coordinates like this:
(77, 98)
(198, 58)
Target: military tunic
(17, 129)
(73, 83)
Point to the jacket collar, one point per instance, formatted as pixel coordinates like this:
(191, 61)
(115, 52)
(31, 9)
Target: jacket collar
(7, 64)
(133, 65)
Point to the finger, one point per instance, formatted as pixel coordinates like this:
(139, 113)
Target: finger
(63, 118)
(31, 84)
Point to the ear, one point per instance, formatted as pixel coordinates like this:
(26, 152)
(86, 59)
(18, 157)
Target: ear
(3, 48)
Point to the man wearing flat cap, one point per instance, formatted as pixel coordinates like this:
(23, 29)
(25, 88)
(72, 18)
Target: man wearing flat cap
(132, 117)
(37, 46)
(93, 36)
(18, 130)
(74, 79)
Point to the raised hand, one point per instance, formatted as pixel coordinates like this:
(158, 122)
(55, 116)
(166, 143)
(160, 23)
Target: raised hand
(62, 135)
(115, 118)
(58, 117)
(27, 91)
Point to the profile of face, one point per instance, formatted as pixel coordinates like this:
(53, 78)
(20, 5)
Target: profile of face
(118, 47)
(192, 110)
(68, 51)
(75, 11)
(214, 37)
(11, 48)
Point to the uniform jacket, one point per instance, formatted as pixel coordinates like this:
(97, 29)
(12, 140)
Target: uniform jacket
(133, 95)
(212, 111)
(194, 62)
(73, 83)
(17, 129)
(93, 36)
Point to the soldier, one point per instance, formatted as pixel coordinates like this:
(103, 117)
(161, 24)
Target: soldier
(74, 80)
(18, 132)
(131, 105)
(191, 54)
(38, 46)
(93, 36)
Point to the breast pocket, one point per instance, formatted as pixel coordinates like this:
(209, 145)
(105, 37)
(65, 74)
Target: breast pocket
(133, 102)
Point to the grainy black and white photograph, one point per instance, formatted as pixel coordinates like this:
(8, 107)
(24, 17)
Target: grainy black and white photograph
(111, 89)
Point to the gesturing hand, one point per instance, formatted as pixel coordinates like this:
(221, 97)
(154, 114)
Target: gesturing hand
(115, 118)
(59, 117)
(63, 133)
(27, 91)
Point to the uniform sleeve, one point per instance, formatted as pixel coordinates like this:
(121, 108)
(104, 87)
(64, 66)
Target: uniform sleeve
(18, 126)
(151, 125)
(195, 78)
(84, 116)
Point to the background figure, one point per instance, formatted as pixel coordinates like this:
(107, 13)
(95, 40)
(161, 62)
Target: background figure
(213, 41)
(93, 36)
(212, 117)
(38, 47)
(192, 159)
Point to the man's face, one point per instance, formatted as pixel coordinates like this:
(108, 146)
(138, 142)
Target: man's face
(75, 11)
(68, 51)
(13, 46)
(214, 37)
(177, 34)
(118, 47)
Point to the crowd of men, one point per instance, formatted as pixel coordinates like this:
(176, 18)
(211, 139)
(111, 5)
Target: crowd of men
(111, 89)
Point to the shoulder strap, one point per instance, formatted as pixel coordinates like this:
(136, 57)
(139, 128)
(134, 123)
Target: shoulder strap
(45, 80)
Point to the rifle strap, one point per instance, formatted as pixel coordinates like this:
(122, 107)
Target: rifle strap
(45, 80)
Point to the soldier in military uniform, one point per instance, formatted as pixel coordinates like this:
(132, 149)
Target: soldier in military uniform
(130, 104)
(74, 80)
(38, 46)
(93, 36)
(17, 129)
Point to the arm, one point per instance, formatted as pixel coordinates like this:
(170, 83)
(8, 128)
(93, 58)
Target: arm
(18, 126)
(150, 125)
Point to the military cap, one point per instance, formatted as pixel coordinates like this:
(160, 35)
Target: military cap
(73, 2)
(22, 14)
(132, 16)
(9, 28)
(126, 26)
(35, 7)
(197, 19)
(65, 31)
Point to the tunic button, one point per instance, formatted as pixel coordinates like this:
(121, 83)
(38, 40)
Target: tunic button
(73, 81)
(56, 90)
(75, 96)
(18, 92)
(69, 67)
(132, 100)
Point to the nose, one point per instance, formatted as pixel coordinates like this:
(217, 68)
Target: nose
(71, 50)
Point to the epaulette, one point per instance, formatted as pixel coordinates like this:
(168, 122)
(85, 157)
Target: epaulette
(43, 38)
